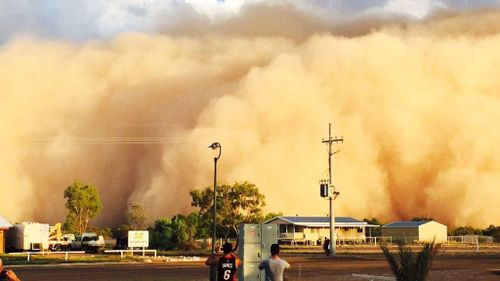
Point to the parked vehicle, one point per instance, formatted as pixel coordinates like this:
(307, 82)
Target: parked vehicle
(59, 241)
(89, 242)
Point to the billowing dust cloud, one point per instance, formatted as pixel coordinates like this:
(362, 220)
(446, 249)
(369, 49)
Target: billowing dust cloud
(134, 116)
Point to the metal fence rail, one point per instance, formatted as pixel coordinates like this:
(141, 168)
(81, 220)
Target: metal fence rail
(469, 239)
(43, 253)
(379, 239)
(143, 251)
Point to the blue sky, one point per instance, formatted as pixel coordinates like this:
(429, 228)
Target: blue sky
(82, 20)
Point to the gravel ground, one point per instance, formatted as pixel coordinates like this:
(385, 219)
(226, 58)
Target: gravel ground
(306, 267)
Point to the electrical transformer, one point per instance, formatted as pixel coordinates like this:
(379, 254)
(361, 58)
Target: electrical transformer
(254, 246)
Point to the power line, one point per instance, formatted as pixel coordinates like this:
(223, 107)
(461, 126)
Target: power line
(106, 140)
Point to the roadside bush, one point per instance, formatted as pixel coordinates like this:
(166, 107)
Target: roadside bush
(411, 266)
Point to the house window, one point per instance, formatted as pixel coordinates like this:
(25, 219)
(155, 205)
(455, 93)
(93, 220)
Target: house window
(282, 228)
(299, 229)
(360, 229)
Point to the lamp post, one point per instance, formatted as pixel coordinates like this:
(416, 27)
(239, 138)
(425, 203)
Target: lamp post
(213, 268)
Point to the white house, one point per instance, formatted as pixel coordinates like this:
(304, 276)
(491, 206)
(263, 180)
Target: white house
(311, 230)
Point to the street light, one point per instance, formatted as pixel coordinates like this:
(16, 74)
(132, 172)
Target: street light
(213, 268)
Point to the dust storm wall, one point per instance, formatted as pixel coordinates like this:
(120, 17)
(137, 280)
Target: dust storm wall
(134, 115)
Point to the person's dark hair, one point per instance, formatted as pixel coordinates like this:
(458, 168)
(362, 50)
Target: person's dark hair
(275, 249)
(227, 248)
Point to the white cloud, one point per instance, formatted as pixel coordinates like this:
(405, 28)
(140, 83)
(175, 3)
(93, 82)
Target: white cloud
(416, 9)
(88, 19)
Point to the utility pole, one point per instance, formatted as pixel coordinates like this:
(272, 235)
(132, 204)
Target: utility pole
(332, 192)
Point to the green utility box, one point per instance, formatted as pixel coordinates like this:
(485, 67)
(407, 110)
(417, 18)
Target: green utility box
(254, 246)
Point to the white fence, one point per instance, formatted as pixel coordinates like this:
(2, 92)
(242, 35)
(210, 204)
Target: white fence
(356, 240)
(469, 239)
(143, 251)
(43, 253)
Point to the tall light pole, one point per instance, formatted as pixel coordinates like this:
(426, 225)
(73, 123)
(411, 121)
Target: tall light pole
(213, 268)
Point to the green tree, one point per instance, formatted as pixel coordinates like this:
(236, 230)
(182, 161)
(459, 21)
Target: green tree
(422, 218)
(161, 234)
(375, 231)
(180, 235)
(236, 204)
(171, 233)
(493, 231)
(466, 230)
(71, 223)
(83, 204)
(194, 226)
(410, 266)
(137, 217)
(120, 232)
(270, 216)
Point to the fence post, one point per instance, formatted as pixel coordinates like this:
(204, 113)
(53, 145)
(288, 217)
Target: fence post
(477, 244)
(28, 256)
(66, 256)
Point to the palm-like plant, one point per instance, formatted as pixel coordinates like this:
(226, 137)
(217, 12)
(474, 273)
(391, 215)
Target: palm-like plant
(411, 266)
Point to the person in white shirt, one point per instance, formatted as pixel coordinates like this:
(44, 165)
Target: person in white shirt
(274, 266)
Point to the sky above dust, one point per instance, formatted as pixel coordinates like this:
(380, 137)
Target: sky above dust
(127, 96)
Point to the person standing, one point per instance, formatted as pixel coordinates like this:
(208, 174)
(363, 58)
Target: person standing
(227, 264)
(326, 246)
(7, 275)
(274, 266)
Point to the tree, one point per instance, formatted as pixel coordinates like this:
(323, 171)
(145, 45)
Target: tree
(422, 218)
(375, 231)
(493, 231)
(194, 226)
(411, 266)
(83, 204)
(236, 204)
(137, 217)
(270, 216)
(172, 233)
(466, 230)
(71, 223)
(161, 234)
(180, 235)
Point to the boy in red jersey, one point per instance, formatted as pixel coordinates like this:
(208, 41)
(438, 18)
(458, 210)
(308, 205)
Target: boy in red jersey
(226, 264)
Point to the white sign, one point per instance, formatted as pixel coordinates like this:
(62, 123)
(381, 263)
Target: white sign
(138, 239)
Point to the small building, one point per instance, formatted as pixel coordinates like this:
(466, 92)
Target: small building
(311, 230)
(416, 231)
(4, 226)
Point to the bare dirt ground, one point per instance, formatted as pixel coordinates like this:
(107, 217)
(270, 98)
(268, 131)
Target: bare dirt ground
(445, 267)
(305, 267)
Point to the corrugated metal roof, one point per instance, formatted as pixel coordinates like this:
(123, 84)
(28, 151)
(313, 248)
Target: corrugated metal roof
(319, 221)
(4, 223)
(405, 224)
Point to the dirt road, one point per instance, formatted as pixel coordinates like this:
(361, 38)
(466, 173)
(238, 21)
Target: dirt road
(304, 268)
